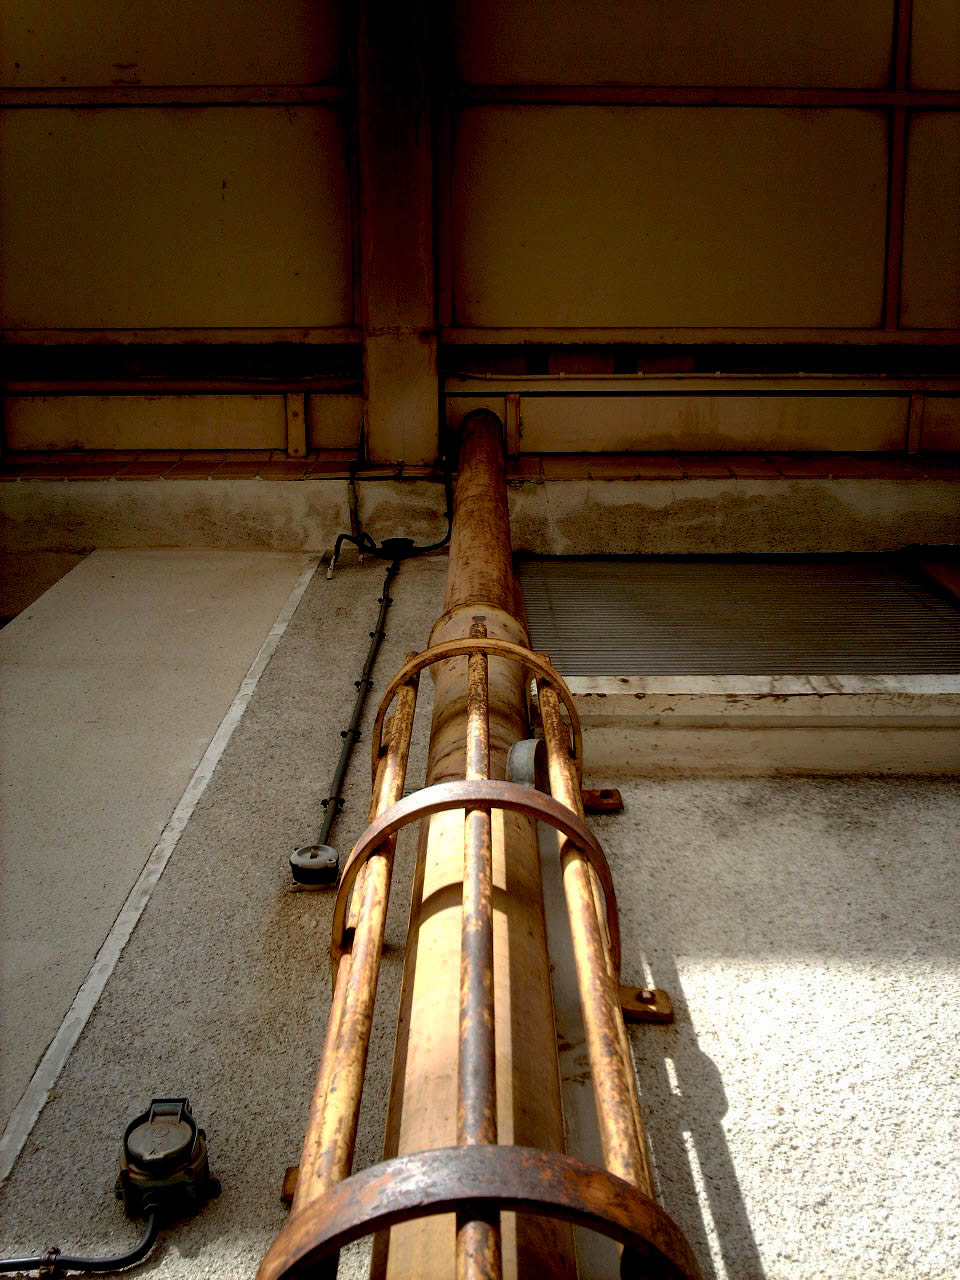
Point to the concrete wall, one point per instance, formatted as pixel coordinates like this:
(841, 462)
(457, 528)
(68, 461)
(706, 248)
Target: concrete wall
(562, 517)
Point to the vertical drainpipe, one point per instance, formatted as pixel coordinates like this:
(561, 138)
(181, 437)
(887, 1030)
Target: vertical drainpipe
(424, 1092)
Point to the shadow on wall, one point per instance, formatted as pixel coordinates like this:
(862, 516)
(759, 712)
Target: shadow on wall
(805, 930)
(684, 1104)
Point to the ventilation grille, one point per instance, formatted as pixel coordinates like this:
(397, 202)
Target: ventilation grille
(743, 616)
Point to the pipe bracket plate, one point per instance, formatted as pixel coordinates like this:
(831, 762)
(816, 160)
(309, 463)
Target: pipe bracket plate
(645, 1004)
(602, 800)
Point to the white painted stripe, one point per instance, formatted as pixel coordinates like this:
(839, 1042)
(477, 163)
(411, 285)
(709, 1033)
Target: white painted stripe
(27, 1111)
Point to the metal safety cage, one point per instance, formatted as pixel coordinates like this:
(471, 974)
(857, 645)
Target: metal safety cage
(480, 1178)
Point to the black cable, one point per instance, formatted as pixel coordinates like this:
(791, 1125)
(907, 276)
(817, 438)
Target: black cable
(334, 801)
(448, 494)
(390, 548)
(316, 864)
(54, 1260)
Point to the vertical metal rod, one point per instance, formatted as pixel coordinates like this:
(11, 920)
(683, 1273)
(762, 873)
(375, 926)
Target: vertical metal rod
(332, 1126)
(618, 1110)
(478, 1240)
(497, 1022)
(423, 1103)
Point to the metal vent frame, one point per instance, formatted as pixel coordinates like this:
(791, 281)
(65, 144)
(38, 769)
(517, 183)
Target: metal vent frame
(740, 615)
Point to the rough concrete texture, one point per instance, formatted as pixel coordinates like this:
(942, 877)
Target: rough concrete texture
(566, 517)
(223, 991)
(24, 578)
(801, 1112)
(111, 686)
(576, 517)
(278, 515)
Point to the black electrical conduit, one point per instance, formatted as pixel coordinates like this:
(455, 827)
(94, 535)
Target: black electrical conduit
(389, 548)
(53, 1260)
(318, 864)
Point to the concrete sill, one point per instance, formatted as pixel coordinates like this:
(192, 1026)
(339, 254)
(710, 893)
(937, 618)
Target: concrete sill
(736, 726)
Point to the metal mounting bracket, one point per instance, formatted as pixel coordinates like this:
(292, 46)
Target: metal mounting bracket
(646, 1004)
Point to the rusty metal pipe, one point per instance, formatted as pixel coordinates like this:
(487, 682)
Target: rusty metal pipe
(331, 1129)
(565, 786)
(478, 1240)
(618, 1109)
(476, 1055)
(423, 1106)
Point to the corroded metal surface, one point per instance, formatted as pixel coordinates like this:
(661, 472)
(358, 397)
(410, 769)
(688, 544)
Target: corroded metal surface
(445, 797)
(646, 1004)
(476, 1056)
(422, 1112)
(478, 1238)
(537, 663)
(331, 1129)
(601, 800)
(475, 1180)
(597, 963)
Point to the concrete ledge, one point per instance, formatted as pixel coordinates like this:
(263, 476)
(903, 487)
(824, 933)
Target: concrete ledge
(563, 517)
(50, 515)
(730, 515)
(736, 726)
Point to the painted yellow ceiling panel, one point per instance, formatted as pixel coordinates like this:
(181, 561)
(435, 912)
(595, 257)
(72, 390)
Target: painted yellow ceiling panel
(174, 218)
(935, 45)
(941, 424)
(146, 422)
(168, 42)
(557, 424)
(816, 43)
(931, 230)
(624, 216)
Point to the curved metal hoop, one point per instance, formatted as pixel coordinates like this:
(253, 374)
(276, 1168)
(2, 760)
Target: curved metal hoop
(477, 1180)
(474, 795)
(537, 663)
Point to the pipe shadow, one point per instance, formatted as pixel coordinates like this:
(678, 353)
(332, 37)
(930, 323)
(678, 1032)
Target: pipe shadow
(684, 1102)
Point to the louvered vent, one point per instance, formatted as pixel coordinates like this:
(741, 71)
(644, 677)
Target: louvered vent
(742, 616)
